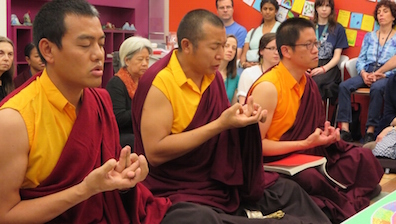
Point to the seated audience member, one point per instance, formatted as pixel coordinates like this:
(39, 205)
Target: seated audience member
(250, 56)
(333, 40)
(62, 136)
(6, 66)
(225, 10)
(385, 144)
(228, 69)
(377, 48)
(269, 57)
(296, 124)
(35, 65)
(134, 57)
(203, 154)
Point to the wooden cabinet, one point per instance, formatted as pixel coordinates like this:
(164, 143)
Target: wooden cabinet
(116, 12)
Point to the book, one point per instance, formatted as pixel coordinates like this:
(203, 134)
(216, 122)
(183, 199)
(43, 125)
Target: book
(297, 162)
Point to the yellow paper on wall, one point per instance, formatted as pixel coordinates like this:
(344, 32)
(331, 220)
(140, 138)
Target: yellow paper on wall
(351, 36)
(343, 17)
(298, 6)
(305, 17)
(367, 23)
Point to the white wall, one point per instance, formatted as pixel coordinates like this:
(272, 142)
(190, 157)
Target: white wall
(3, 18)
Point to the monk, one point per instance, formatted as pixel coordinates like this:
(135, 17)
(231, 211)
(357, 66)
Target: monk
(58, 135)
(296, 124)
(203, 154)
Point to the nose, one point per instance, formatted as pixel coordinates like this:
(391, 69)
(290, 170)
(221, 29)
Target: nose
(145, 62)
(98, 53)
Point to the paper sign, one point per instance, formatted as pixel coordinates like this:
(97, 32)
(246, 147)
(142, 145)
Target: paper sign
(256, 5)
(305, 17)
(367, 23)
(290, 14)
(309, 9)
(298, 6)
(282, 14)
(287, 3)
(356, 20)
(359, 38)
(249, 2)
(343, 17)
(351, 36)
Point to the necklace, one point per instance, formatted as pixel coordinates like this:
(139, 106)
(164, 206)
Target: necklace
(322, 37)
(377, 65)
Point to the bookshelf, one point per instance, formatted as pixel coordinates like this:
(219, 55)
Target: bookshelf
(116, 12)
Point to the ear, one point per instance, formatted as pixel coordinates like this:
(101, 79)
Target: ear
(27, 60)
(262, 52)
(186, 46)
(46, 49)
(286, 51)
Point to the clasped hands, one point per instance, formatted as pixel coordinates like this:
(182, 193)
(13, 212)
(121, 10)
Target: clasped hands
(327, 136)
(125, 173)
(243, 115)
(370, 78)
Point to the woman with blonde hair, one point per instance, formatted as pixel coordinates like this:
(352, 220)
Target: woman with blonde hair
(134, 57)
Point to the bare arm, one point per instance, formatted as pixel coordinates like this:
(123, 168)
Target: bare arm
(14, 144)
(271, 147)
(243, 53)
(239, 53)
(157, 117)
(389, 65)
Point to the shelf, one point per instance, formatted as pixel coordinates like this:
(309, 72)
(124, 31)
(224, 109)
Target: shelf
(116, 12)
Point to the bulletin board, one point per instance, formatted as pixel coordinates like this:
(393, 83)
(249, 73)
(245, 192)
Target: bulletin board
(355, 15)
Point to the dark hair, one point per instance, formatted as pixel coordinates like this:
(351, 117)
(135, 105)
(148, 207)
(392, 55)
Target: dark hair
(389, 4)
(28, 49)
(331, 19)
(50, 20)
(273, 2)
(289, 32)
(231, 66)
(232, 3)
(264, 41)
(8, 76)
(190, 26)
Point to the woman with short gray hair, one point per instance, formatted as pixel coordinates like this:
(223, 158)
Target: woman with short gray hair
(134, 58)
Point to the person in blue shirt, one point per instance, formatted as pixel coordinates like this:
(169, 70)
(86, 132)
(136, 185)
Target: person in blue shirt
(225, 10)
(377, 48)
(333, 40)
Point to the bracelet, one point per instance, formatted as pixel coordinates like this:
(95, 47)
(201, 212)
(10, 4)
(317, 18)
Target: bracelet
(324, 70)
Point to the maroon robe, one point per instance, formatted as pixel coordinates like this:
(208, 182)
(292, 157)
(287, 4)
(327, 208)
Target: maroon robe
(95, 128)
(222, 172)
(22, 77)
(353, 166)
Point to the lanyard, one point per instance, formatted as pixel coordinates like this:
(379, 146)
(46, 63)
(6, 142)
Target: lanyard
(379, 55)
(323, 33)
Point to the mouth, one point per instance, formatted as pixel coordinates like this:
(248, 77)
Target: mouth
(97, 71)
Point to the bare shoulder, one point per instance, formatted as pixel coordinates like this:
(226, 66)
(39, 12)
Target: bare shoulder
(264, 93)
(12, 129)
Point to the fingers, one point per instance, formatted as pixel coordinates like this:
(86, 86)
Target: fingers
(124, 160)
(250, 106)
(263, 116)
(108, 166)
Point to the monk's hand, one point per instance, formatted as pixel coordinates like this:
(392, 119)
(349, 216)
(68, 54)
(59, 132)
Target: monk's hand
(106, 178)
(124, 160)
(240, 116)
(318, 138)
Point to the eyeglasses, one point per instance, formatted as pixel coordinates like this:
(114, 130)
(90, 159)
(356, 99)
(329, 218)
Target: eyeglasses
(309, 46)
(228, 7)
(270, 48)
